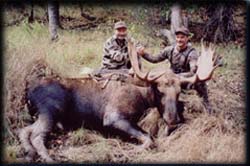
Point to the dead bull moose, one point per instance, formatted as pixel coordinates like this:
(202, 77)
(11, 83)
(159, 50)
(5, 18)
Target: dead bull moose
(77, 101)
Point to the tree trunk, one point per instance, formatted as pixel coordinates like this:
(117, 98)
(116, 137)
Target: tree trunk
(53, 13)
(220, 26)
(31, 16)
(176, 22)
(185, 19)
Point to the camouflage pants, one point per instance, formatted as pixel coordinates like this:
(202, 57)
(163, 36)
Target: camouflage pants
(201, 88)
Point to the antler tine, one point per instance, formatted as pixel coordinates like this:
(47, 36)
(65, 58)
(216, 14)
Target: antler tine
(212, 46)
(202, 44)
(215, 57)
(217, 61)
(135, 65)
(134, 61)
(155, 77)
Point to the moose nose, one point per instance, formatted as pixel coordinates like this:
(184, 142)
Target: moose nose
(170, 113)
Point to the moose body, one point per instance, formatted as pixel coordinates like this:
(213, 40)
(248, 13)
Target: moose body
(78, 100)
(74, 102)
(119, 106)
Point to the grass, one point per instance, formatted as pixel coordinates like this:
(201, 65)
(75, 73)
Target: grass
(205, 138)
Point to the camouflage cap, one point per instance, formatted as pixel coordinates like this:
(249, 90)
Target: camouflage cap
(182, 30)
(120, 24)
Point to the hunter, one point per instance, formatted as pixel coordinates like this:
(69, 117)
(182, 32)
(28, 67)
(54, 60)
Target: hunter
(115, 52)
(182, 57)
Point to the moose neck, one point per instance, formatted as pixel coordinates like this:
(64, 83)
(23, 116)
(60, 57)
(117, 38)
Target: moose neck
(157, 97)
(150, 97)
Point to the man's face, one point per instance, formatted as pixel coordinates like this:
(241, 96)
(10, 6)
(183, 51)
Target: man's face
(121, 33)
(181, 40)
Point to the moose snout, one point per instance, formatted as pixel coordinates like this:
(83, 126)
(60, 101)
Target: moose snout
(170, 114)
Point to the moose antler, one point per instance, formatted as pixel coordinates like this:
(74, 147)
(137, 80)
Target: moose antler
(146, 76)
(207, 62)
(134, 60)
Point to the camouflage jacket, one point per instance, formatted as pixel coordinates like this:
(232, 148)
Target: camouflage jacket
(115, 54)
(180, 61)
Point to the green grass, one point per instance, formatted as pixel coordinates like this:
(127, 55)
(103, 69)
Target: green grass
(74, 49)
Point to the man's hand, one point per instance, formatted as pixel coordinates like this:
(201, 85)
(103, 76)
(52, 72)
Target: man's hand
(140, 50)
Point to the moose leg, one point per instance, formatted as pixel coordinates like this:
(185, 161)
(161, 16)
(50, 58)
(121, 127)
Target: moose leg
(113, 120)
(24, 136)
(41, 127)
(170, 128)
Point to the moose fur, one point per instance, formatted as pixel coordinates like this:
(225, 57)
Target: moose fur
(73, 102)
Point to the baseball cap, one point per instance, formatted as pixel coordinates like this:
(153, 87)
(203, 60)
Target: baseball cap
(120, 24)
(182, 30)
